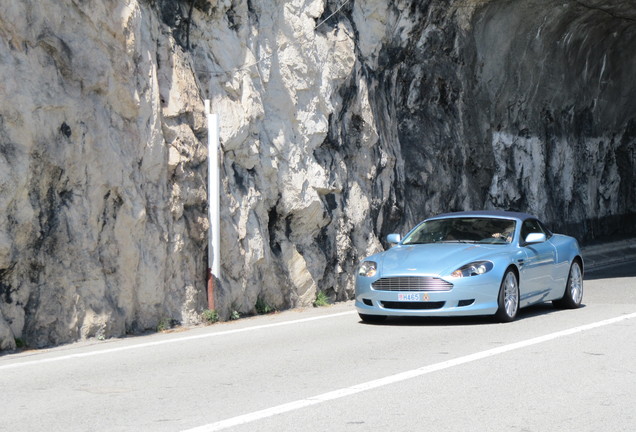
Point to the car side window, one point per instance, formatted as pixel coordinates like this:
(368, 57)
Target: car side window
(547, 232)
(531, 226)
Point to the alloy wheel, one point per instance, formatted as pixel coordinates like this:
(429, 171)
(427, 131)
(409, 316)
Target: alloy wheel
(511, 294)
(576, 283)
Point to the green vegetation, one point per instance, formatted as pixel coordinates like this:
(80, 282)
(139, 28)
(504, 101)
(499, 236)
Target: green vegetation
(210, 316)
(235, 315)
(164, 324)
(321, 299)
(19, 343)
(262, 307)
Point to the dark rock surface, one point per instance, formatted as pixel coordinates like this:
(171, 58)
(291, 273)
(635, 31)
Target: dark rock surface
(530, 107)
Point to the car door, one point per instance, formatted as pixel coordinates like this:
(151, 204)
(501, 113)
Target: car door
(536, 274)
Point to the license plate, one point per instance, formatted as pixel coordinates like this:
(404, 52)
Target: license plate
(412, 297)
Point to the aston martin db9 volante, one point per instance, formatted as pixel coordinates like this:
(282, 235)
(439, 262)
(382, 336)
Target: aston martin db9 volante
(471, 263)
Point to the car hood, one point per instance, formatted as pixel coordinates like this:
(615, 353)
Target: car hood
(432, 258)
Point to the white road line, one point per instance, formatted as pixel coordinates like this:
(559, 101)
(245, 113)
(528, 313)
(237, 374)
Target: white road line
(169, 341)
(403, 376)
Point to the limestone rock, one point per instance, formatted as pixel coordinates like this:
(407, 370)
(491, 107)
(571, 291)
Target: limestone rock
(7, 341)
(91, 244)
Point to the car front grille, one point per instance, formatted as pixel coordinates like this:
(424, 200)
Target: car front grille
(413, 305)
(411, 283)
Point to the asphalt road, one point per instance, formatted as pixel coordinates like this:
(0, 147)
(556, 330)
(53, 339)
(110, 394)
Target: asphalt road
(323, 370)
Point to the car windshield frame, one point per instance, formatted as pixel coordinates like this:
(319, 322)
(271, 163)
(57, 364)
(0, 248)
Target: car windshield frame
(468, 229)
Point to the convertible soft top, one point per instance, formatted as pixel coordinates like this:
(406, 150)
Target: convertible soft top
(488, 213)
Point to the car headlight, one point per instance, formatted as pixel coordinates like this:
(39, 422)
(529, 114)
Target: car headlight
(473, 269)
(368, 269)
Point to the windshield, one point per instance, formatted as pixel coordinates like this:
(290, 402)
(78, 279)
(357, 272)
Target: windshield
(463, 230)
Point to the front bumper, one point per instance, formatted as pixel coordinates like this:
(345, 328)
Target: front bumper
(475, 295)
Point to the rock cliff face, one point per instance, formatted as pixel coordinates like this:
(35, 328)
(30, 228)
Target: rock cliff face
(102, 184)
(341, 121)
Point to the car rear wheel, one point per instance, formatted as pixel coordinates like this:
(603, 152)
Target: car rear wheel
(573, 294)
(508, 298)
(372, 319)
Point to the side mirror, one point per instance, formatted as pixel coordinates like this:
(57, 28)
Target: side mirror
(535, 238)
(394, 238)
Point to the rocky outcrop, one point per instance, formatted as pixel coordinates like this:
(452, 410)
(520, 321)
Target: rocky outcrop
(103, 178)
(274, 78)
(515, 106)
(341, 121)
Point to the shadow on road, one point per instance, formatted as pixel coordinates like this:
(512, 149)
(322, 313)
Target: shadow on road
(525, 313)
(620, 270)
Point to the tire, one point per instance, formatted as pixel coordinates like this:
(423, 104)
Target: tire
(372, 319)
(573, 295)
(508, 299)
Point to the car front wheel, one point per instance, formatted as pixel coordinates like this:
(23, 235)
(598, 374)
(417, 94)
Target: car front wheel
(573, 294)
(508, 300)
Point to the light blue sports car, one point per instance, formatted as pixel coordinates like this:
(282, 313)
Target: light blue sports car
(471, 263)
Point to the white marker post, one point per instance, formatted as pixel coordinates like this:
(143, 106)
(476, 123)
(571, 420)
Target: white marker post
(214, 203)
